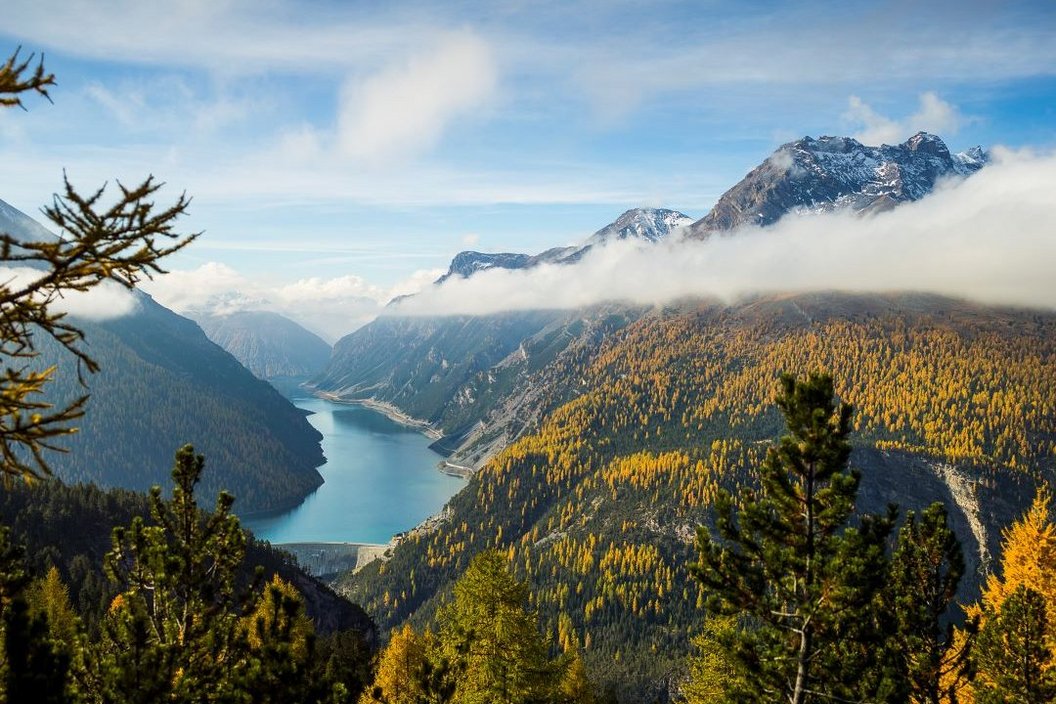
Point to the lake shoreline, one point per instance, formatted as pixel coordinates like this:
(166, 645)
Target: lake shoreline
(386, 409)
(343, 514)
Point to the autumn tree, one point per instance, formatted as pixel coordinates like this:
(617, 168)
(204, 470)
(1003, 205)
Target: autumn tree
(491, 638)
(788, 563)
(33, 667)
(98, 242)
(712, 670)
(280, 649)
(1028, 557)
(1016, 602)
(403, 674)
(1014, 657)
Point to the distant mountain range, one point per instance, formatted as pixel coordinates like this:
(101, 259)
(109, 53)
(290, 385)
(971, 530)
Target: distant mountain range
(470, 376)
(646, 224)
(163, 384)
(268, 344)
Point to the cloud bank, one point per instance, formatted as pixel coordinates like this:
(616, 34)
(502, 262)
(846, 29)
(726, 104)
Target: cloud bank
(330, 307)
(105, 301)
(989, 238)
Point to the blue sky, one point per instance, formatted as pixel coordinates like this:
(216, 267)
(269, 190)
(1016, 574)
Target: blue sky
(338, 152)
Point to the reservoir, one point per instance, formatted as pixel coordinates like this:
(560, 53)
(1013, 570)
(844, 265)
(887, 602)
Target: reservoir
(380, 478)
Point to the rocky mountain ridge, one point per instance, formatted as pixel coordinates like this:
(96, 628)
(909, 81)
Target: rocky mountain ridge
(836, 173)
(645, 224)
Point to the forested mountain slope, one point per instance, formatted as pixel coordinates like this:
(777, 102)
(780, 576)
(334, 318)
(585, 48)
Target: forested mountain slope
(470, 376)
(596, 506)
(69, 527)
(268, 344)
(164, 384)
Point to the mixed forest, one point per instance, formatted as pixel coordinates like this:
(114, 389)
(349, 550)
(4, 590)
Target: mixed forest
(692, 519)
(597, 507)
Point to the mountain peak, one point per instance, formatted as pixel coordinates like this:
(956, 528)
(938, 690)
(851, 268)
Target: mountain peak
(649, 224)
(836, 173)
(927, 143)
(21, 226)
(469, 262)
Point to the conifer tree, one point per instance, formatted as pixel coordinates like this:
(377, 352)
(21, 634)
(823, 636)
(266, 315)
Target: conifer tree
(48, 599)
(1015, 662)
(712, 670)
(931, 664)
(490, 638)
(401, 669)
(1028, 557)
(32, 668)
(574, 685)
(789, 565)
(177, 614)
(281, 649)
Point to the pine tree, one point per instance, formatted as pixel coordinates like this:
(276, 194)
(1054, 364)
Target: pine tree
(1015, 662)
(492, 641)
(930, 661)
(789, 565)
(177, 614)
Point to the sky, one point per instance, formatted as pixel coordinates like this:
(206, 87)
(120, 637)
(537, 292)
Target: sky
(340, 153)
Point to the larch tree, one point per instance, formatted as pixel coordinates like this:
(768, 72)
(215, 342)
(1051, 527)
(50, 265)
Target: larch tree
(401, 670)
(712, 671)
(1014, 658)
(1027, 572)
(1028, 557)
(494, 643)
(120, 242)
(787, 563)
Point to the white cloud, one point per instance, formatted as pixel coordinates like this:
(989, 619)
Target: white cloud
(470, 239)
(933, 115)
(315, 290)
(405, 108)
(331, 307)
(987, 238)
(105, 301)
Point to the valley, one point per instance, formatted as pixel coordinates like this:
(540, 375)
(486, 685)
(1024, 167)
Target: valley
(527, 353)
(380, 479)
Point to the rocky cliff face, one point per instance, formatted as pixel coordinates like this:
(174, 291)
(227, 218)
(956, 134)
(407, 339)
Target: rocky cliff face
(836, 173)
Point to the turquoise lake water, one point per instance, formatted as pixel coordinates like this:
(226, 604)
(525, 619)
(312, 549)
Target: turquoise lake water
(381, 478)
